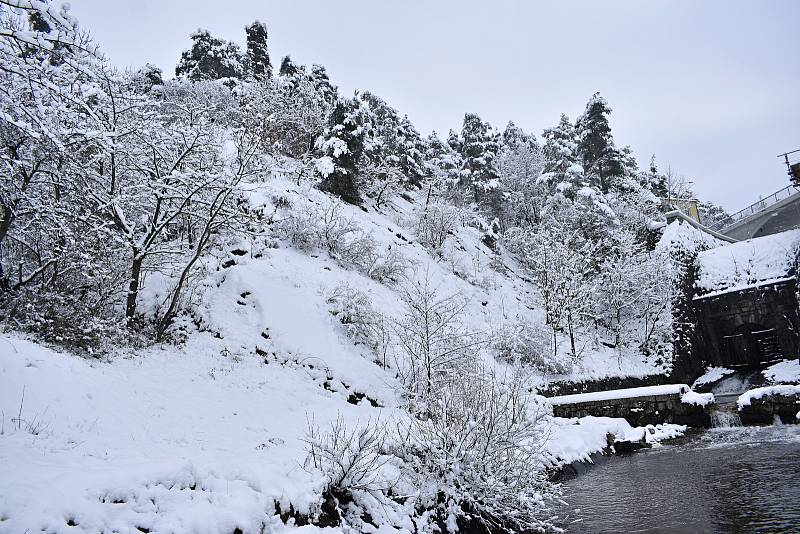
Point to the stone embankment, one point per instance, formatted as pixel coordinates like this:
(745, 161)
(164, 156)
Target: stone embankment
(769, 405)
(651, 405)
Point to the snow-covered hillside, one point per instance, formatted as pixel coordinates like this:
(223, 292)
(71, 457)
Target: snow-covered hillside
(211, 436)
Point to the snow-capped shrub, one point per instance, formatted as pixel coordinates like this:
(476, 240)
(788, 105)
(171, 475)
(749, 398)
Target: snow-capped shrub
(325, 226)
(57, 317)
(350, 458)
(471, 456)
(530, 344)
(434, 223)
(389, 267)
(352, 308)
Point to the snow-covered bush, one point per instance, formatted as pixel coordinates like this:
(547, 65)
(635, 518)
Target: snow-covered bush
(432, 345)
(350, 458)
(388, 267)
(434, 223)
(352, 308)
(472, 456)
(325, 226)
(527, 343)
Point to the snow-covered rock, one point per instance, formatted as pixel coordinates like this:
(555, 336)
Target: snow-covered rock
(577, 439)
(712, 375)
(748, 396)
(698, 399)
(785, 372)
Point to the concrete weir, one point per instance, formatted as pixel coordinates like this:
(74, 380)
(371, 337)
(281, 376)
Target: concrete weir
(670, 403)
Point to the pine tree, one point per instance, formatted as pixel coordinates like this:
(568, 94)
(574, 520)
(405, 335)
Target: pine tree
(399, 144)
(479, 148)
(289, 67)
(560, 150)
(442, 163)
(453, 141)
(258, 63)
(149, 76)
(210, 58)
(322, 83)
(596, 144)
(345, 145)
(654, 181)
(513, 136)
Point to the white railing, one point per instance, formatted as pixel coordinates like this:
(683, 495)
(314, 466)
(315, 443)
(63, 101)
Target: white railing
(764, 203)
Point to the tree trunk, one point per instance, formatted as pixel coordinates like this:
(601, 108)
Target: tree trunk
(5, 222)
(571, 333)
(133, 288)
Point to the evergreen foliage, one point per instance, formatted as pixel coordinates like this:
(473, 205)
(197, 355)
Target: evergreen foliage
(258, 63)
(210, 58)
(596, 144)
(345, 144)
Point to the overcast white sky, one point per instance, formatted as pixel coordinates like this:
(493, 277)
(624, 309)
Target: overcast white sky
(710, 87)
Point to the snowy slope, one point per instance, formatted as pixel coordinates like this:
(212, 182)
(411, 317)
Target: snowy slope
(209, 436)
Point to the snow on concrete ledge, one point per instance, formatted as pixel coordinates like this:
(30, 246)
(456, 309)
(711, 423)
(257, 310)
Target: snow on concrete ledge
(711, 375)
(699, 399)
(615, 394)
(756, 262)
(757, 393)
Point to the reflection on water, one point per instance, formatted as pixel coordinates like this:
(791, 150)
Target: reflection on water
(725, 481)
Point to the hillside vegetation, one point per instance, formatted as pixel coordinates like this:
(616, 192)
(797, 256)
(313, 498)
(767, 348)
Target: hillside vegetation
(239, 301)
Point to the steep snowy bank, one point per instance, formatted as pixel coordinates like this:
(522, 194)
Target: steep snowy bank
(210, 436)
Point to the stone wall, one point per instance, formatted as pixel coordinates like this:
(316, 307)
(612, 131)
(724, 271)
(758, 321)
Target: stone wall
(747, 328)
(762, 411)
(640, 411)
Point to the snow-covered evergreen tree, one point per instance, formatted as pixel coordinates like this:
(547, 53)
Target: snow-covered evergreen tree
(210, 58)
(258, 63)
(479, 148)
(596, 144)
(560, 156)
(345, 145)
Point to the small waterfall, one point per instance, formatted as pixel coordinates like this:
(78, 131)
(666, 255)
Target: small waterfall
(725, 419)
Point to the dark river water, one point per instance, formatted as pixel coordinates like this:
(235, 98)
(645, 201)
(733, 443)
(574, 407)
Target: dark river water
(724, 480)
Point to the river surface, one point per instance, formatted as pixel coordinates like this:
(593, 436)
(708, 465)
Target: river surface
(721, 481)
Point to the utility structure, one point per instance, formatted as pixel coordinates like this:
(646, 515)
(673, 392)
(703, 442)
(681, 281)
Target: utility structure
(792, 165)
(775, 213)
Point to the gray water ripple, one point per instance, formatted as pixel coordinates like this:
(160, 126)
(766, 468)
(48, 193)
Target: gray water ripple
(739, 480)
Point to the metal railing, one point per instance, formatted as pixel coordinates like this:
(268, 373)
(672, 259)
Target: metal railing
(764, 203)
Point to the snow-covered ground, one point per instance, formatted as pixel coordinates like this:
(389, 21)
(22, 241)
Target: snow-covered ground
(209, 436)
(198, 440)
(201, 439)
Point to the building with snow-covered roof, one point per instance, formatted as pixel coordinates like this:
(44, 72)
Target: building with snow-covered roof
(745, 301)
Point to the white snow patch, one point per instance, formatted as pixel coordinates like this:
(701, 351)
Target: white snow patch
(787, 371)
(699, 399)
(576, 439)
(748, 396)
(758, 261)
(627, 393)
(712, 374)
